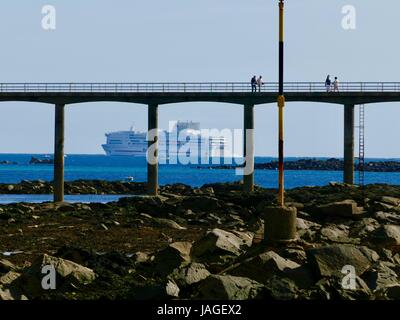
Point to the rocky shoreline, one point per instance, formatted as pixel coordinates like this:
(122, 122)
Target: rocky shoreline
(6, 162)
(205, 243)
(315, 164)
(35, 160)
(74, 187)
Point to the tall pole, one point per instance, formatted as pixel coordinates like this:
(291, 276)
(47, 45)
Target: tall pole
(348, 170)
(281, 105)
(152, 159)
(59, 153)
(248, 178)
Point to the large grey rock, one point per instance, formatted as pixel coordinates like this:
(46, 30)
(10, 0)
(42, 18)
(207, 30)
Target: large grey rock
(156, 291)
(361, 291)
(370, 254)
(67, 272)
(391, 200)
(346, 208)
(246, 237)
(172, 289)
(217, 242)
(387, 217)
(217, 287)
(189, 274)
(279, 288)
(335, 233)
(6, 266)
(9, 278)
(307, 230)
(308, 235)
(328, 261)
(386, 204)
(172, 257)
(297, 255)
(167, 223)
(332, 289)
(302, 224)
(396, 260)
(386, 236)
(9, 294)
(264, 266)
(363, 228)
(381, 276)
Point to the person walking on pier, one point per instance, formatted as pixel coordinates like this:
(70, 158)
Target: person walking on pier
(254, 84)
(259, 83)
(328, 83)
(336, 85)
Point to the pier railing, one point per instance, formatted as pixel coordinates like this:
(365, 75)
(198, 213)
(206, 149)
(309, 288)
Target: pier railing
(193, 87)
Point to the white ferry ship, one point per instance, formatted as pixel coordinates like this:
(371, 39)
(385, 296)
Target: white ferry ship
(185, 138)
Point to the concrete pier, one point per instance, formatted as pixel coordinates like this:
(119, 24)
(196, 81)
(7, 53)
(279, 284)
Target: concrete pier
(152, 153)
(348, 172)
(159, 94)
(59, 153)
(248, 148)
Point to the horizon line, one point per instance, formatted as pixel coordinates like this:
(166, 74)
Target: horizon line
(259, 156)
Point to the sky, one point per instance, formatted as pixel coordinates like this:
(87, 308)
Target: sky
(195, 41)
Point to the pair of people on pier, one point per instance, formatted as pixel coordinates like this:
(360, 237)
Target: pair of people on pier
(328, 84)
(256, 82)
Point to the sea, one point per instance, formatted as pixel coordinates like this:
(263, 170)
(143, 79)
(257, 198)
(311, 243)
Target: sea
(121, 168)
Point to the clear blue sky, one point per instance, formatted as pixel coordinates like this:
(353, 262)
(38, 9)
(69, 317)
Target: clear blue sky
(207, 40)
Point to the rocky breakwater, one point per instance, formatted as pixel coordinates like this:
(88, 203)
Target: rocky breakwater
(7, 162)
(75, 187)
(317, 164)
(206, 243)
(35, 160)
(105, 187)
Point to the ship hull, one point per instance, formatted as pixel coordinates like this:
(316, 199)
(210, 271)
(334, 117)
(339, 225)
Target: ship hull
(191, 145)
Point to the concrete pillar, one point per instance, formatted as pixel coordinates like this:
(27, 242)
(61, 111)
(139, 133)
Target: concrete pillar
(280, 225)
(248, 148)
(348, 173)
(59, 153)
(152, 152)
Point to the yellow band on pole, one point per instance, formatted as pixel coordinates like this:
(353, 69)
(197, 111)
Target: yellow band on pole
(281, 101)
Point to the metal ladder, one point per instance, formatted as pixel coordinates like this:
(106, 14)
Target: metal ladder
(361, 146)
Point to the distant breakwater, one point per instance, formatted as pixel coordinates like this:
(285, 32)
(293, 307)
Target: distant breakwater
(316, 164)
(75, 187)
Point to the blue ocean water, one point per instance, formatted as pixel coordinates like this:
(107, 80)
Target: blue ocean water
(118, 168)
(39, 198)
